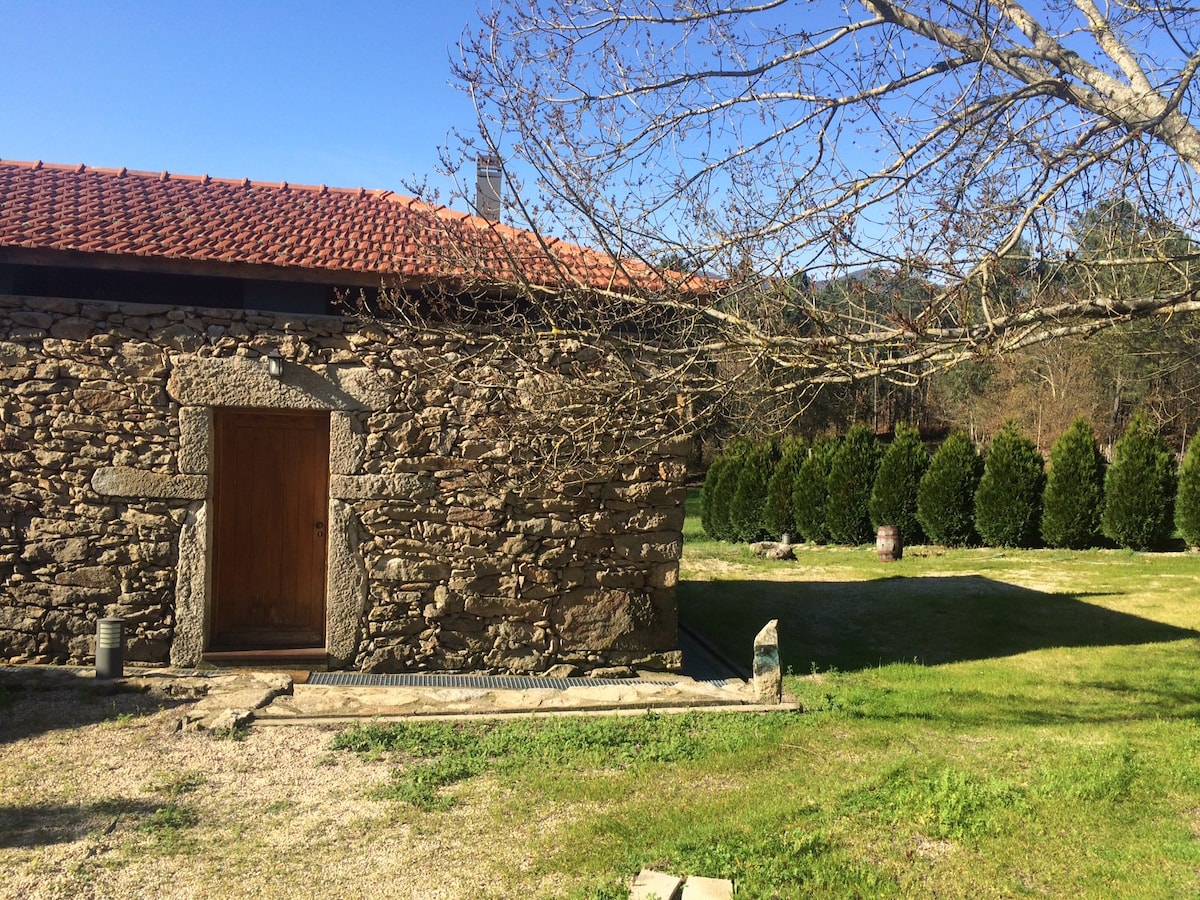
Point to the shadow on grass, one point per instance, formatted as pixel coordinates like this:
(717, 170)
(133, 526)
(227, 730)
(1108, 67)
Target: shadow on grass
(40, 825)
(855, 625)
(39, 699)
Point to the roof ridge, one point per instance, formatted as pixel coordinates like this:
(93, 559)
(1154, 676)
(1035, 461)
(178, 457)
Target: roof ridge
(206, 179)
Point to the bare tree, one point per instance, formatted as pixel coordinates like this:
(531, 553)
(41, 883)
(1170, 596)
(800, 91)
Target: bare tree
(749, 142)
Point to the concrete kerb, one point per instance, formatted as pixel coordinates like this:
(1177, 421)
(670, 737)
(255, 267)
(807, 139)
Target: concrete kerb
(757, 708)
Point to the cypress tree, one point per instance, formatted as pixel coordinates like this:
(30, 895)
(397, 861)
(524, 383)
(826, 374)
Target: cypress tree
(810, 491)
(724, 485)
(749, 499)
(894, 497)
(1008, 504)
(1139, 488)
(1187, 500)
(723, 496)
(851, 478)
(1074, 496)
(946, 495)
(777, 516)
(708, 491)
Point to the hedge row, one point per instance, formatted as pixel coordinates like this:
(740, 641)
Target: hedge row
(841, 490)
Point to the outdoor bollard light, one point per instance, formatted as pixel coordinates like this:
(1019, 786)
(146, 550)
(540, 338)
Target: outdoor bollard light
(110, 648)
(274, 364)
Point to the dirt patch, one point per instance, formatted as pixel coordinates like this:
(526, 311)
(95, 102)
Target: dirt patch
(101, 795)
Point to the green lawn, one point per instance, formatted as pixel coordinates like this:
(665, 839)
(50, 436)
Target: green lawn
(978, 724)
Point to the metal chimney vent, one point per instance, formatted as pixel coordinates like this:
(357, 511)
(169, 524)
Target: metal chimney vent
(487, 187)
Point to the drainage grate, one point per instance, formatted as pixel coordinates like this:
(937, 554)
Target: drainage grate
(485, 682)
(699, 663)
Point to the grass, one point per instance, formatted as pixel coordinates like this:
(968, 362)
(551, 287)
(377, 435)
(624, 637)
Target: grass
(979, 723)
(437, 755)
(168, 827)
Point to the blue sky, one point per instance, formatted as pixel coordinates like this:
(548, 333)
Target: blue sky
(348, 93)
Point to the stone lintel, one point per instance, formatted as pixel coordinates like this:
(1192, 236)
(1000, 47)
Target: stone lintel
(123, 481)
(244, 381)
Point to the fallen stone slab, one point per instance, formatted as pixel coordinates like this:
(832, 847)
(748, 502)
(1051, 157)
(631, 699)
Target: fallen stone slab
(697, 888)
(651, 885)
(232, 698)
(230, 720)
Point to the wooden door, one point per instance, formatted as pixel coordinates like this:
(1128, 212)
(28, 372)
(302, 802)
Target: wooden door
(270, 503)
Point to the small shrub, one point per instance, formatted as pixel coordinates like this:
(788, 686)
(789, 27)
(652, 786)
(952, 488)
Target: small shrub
(750, 497)
(1139, 489)
(1008, 503)
(811, 490)
(1187, 500)
(777, 514)
(851, 478)
(894, 496)
(1074, 496)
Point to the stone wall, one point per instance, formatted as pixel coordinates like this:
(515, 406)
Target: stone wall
(462, 536)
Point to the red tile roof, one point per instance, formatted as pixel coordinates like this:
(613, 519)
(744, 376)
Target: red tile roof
(331, 230)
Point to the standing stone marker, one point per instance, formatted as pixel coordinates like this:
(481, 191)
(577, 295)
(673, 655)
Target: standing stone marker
(768, 681)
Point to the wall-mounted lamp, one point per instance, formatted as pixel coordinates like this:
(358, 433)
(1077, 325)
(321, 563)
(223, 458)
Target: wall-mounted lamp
(274, 364)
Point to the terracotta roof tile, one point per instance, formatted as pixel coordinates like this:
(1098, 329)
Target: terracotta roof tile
(203, 219)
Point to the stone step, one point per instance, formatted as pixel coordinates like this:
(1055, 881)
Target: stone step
(697, 888)
(651, 885)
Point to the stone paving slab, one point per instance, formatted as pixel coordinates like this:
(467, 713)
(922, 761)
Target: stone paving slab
(313, 702)
(232, 698)
(651, 885)
(698, 888)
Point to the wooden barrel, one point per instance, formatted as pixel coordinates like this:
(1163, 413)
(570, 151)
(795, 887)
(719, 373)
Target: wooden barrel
(888, 543)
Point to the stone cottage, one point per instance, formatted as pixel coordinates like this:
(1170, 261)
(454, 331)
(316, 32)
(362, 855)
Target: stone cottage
(197, 437)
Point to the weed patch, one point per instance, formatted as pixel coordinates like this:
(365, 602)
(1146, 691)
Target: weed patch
(1101, 774)
(952, 804)
(176, 785)
(167, 826)
(442, 754)
(237, 733)
(780, 862)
